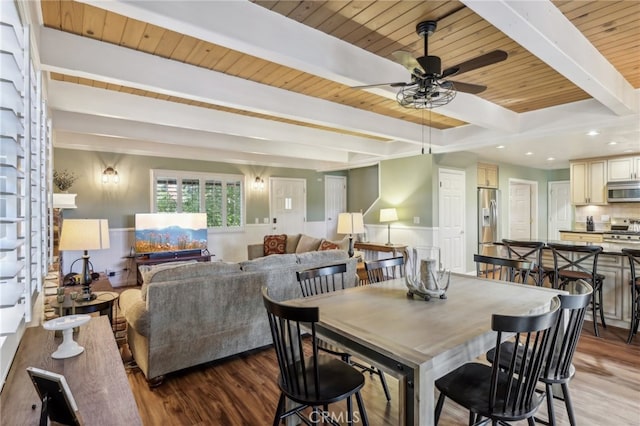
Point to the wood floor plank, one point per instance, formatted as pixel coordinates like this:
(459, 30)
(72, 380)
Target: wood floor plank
(241, 390)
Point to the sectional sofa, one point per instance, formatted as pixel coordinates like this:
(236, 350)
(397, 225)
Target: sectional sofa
(191, 314)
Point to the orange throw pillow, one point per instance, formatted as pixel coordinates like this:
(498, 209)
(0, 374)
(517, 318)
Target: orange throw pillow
(328, 245)
(275, 244)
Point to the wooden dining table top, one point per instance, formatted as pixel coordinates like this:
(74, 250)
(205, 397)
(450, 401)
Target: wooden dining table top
(381, 316)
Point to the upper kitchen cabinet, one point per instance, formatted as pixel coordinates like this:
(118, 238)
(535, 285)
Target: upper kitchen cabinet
(487, 175)
(624, 169)
(589, 182)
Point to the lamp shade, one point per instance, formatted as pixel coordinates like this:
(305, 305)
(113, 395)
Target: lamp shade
(350, 223)
(84, 234)
(388, 215)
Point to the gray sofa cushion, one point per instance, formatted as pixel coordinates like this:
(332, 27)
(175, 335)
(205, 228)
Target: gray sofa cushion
(324, 257)
(184, 271)
(292, 242)
(269, 262)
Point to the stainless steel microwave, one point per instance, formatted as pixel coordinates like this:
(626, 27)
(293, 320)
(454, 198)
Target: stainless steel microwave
(623, 192)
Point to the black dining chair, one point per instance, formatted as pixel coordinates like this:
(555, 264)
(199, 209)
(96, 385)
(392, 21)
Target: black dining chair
(579, 262)
(634, 282)
(500, 268)
(326, 279)
(504, 395)
(312, 381)
(528, 251)
(559, 368)
(384, 269)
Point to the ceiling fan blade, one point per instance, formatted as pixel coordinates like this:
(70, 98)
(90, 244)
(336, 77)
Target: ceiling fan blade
(398, 84)
(474, 89)
(475, 63)
(407, 60)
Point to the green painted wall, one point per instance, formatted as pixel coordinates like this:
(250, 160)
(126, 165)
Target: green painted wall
(120, 202)
(407, 184)
(363, 188)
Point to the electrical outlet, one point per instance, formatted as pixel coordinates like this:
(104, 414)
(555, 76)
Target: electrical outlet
(416, 220)
(112, 273)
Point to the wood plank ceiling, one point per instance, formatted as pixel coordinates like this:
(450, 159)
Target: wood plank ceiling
(520, 84)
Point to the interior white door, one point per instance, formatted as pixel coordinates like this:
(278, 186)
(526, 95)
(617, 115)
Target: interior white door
(288, 205)
(335, 202)
(519, 211)
(451, 211)
(559, 206)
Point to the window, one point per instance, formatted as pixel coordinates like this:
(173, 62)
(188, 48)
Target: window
(220, 196)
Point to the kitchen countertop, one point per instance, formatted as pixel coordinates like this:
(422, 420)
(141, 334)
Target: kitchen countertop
(584, 231)
(609, 248)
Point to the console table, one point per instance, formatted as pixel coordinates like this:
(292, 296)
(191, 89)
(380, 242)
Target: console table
(145, 260)
(395, 249)
(96, 378)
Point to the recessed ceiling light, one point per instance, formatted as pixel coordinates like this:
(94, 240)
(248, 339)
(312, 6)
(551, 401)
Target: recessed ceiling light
(550, 159)
(593, 133)
(500, 146)
(529, 153)
(613, 143)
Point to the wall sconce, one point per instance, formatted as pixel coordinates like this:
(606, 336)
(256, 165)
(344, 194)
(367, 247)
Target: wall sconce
(110, 174)
(258, 184)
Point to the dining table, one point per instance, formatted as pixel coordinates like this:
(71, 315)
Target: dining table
(416, 340)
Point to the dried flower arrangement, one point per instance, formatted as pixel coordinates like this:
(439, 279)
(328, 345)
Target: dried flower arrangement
(64, 179)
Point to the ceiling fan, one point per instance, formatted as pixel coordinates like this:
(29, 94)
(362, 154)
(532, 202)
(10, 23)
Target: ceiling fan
(429, 86)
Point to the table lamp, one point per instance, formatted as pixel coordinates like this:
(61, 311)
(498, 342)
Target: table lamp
(85, 234)
(388, 215)
(349, 224)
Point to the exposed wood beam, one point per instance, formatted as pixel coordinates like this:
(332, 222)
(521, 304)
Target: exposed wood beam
(543, 30)
(98, 143)
(102, 102)
(83, 57)
(254, 30)
(127, 129)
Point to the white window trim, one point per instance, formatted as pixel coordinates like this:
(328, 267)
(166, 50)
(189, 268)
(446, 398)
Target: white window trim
(202, 176)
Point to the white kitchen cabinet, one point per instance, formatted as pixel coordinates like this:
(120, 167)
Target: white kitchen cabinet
(611, 267)
(623, 169)
(487, 175)
(589, 182)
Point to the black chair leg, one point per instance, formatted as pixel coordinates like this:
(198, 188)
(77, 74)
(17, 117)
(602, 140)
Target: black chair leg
(635, 321)
(363, 413)
(567, 403)
(601, 306)
(384, 384)
(439, 405)
(279, 410)
(594, 316)
(349, 411)
(551, 413)
(531, 421)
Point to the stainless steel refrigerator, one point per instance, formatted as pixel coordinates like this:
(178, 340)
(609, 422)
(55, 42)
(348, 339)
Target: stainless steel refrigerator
(488, 221)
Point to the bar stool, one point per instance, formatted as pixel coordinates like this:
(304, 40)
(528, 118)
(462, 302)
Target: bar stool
(528, 251)
(634, 283)
(576, 262)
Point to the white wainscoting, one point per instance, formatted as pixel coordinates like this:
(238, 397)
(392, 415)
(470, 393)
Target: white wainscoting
(412, 236)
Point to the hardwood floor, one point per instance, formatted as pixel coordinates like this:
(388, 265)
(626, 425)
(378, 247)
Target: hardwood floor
(242, 390)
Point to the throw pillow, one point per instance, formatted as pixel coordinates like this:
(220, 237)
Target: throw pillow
(307, 243)
(275, 244)
(292, 242)
(328, 245)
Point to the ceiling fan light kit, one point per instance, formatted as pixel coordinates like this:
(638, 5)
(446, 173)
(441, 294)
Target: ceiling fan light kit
(428, 87)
